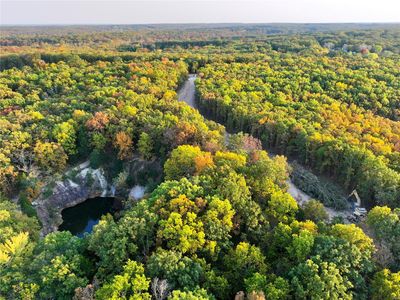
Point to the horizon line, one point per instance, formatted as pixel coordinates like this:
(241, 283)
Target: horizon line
(204, 23)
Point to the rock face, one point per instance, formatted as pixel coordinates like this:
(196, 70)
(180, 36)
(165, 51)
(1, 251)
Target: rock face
(88, 183)
(84, 182)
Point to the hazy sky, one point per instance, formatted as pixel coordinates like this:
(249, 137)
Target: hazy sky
(197, 11)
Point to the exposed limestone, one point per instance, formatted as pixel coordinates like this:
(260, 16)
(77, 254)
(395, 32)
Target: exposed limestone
(88, 183)
(82, 183)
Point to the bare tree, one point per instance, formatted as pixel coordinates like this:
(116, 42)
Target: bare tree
(239, 295)
(160, 288)
(383, 256)
(86, 293)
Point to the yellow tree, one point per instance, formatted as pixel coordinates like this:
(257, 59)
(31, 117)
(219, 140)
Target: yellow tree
(124, 144)
(50, 156)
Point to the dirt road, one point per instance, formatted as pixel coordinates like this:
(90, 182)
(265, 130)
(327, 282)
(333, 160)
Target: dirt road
(187, 93)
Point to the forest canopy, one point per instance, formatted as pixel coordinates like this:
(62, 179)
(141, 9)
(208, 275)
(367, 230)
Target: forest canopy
(315, 107)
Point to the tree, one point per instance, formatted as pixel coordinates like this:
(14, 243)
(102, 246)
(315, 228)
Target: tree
(354, 235)
(385, 285)
(255, 283)
(19, 150)
(277, 289)
(228, 184)
(14, 246)
(98, 122)
(139, 226)
(301, 245)
(319, 280)
(274, 288)
(383, 221)
(111, 245)
(98, 141)
(281, 207)
(217, 222)
(354, 265)
(18, 234)
(197, 294)
(131, 284)
(203, 161)
(13, 222)
(124, 144)
(179, 271)
(7, 173)
(265, 175)
(181, 162)
(65, 135)
(182, 133)
(58, 266)
(145, 145)
(231, 159)
(50, 157)
(241, 262)
(216, 283)
(159, 288)
(385, 225)
(314, 211)
(243, 141)
(183, 233)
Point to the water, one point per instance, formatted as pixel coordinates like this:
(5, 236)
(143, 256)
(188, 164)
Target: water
(81, 218)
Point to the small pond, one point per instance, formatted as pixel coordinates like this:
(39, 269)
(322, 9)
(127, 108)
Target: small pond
(81, 218)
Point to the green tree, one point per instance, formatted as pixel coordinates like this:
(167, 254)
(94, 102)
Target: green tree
(198, 294)
(13, 221)
(179, 271)
(59, 267)
(183, 233)
(145, 145)
(385, 225)
(255, 283)
(50, 157)
(111, 245)
(241, 262)
(354, 235)
(65, 134)
(385, 285)
(281, 207)
(301, 245)
(217, 222)
(131, 284)
(277, 289)
(319, 280)
(181, 162)
(315, 211)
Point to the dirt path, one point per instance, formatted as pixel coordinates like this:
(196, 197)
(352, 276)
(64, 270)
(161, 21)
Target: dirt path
(187, 93)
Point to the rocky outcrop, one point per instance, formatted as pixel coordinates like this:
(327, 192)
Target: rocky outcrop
(87, 183)
(84, 182)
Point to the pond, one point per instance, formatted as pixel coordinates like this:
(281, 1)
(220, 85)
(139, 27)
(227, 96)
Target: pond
(81, 218)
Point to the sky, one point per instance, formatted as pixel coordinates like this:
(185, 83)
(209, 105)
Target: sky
(33, 12)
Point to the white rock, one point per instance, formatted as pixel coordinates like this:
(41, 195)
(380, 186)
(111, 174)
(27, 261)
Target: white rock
(137, 192)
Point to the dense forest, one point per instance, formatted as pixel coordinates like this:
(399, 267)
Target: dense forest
(314, 105)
